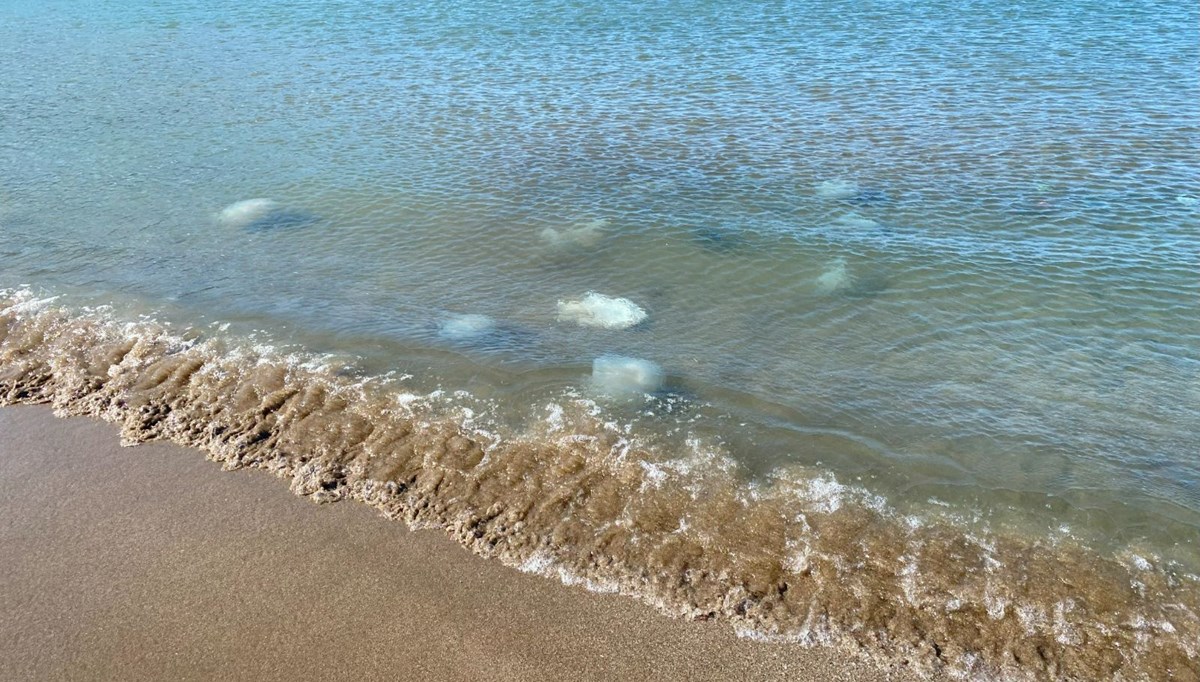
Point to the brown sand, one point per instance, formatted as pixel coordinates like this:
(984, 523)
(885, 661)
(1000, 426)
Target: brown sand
(152, 563)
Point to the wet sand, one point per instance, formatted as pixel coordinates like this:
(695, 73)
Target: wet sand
(152, 563)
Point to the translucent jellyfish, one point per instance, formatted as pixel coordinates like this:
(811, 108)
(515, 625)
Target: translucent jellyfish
(466, 327)
(857, 222)
(262, 214)
(837, 189)
(584, 236)
(835, 278)
(246, 213)
(621, 376)
(604, 312)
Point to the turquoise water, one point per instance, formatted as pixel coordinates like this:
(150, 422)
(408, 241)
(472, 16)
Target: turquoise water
(947, 252)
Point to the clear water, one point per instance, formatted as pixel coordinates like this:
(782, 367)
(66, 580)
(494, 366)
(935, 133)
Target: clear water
(948, 251)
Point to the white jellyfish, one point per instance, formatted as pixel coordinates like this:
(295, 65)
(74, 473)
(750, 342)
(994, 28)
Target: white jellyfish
(834, 279)
(248, 212)
(620, 376)
(837, 189)
(466, 327)
(583, 236)
(604, 312)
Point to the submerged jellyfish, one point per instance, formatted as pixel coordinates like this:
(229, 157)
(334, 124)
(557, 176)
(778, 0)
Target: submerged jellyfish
(857, 222)
(837, 189)
(835, 278)
(466, 327)
(245, 213)
(262, 214)
(584, 236)
(850, 191)
(483, 333)
(604, 312)
(620, 376)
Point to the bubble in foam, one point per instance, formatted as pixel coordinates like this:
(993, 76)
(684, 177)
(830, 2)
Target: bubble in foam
(25, 302)
(1140, 562)
(617, 375)
(466, 327)
(598, 310)
(834, 279)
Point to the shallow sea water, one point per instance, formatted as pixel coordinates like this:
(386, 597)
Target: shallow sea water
(939, 261)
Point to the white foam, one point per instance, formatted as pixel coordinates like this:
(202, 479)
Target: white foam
(1064, 630)
(245, 213)
(834, 279)
(26, 303)
(836, 189)
(654, 476)
(554, 418)
(466, 327)
(604, 312)
(908, 579)
(1032, 617)
(799, 560)
(826, 494)
(997, 606)
(621, 376)
(537, 563)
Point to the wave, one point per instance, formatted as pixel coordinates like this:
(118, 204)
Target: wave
(797, 558)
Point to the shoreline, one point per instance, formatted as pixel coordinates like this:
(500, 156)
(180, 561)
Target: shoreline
(806, 560)
(150, 562)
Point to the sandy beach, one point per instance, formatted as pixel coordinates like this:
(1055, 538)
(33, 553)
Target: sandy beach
(153, 563)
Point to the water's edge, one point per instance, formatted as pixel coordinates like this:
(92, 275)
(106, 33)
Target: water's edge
(801, 560)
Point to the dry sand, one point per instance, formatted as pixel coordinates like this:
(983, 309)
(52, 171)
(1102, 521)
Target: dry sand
(152, 563)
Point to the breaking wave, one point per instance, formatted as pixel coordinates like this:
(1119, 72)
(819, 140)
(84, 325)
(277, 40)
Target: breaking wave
(798, 557)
